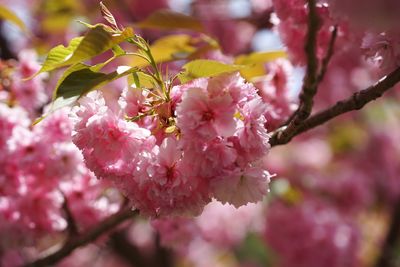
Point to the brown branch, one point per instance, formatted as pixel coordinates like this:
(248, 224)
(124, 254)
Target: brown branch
(385, 259)
(130, 253)
(72, 226)
(355, 102)
(309, 88)
(5, 49)
(324, 67)
(160, 257)
(85, 238)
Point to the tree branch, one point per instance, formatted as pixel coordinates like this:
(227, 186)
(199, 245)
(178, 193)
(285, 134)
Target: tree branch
(85, 238)
(126, 250)
(328, 56)
(5, 51)
(386, 257)
(309, 88)
(355, 102)
(72, 227)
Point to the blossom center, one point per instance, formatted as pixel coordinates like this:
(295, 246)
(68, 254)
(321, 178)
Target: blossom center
(208, 115)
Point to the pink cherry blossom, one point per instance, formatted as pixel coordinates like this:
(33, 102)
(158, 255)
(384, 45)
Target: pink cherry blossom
(274, 90)
(383, 48)
(240, 187)
(315, 227)
(376, 14)
(202, 116)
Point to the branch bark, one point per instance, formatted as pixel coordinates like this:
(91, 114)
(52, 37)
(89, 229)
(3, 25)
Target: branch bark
(83, 239)
(386, 257)
(309, 88)
(5, 51)
(355, 102)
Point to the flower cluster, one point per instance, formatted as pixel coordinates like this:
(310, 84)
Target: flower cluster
(297, 231)
(173, 156)
(274, 90)
(210, 226)
(31, 94)
(376, 14)
(292, 27)
(41, 172)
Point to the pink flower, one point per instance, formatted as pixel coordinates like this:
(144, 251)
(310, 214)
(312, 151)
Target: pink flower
(29, 94)
(292, 28)
(383, 48)
(216, 216)
(109, 144)
(315, 227)
(234, 85)
(176, 232)
(9, 119)
(204, 117)
(132, 101)
(162, 185)
(56, 127)
(381, 14)
(274, 90)
(252, 137)
(240, 187)
(209, 159)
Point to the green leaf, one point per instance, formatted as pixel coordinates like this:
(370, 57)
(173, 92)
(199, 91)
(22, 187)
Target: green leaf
(56, 16)
(96, 41)
(80, 79)
(256, 61)
(8, 15)
(58, 54)
(259, 57)
(167, 19)
(254, 250)
(205, 68)
(168, 48)
(141, 79)
(136, 80)
(118, 51)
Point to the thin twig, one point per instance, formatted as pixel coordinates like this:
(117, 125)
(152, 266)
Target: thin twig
(328, 56)
(309, 88)
(355, 102)
(83, 239)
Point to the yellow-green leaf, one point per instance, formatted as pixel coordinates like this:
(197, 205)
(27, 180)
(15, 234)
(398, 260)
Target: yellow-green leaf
(96, 41)
(81, 79)
(259, 57)
(168, 48)
(141, 79)
(256, 61)
(205, 68)
(56, 16)
(8, 15)
(167, 19)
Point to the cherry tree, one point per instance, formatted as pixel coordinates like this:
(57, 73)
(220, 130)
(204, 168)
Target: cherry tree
(162, 135)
